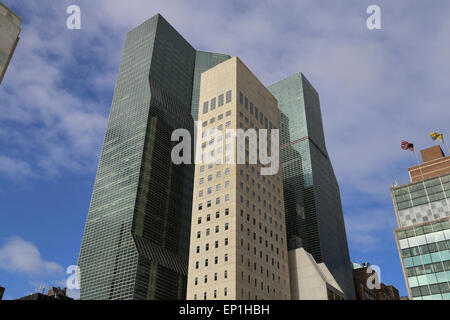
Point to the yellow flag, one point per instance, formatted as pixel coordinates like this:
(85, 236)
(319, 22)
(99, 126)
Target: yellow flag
(437, 136)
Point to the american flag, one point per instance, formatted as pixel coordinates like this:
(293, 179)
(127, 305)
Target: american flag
(407, 146)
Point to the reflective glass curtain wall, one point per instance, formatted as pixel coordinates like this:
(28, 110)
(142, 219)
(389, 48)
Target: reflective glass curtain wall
(136, 238)
(311, 192)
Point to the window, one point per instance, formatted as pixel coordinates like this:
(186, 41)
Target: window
(228, 113)
(196, 265)
(199, 235)
(198, 249)
(241, 98)
(227, 211)
(196, 281)
(213, 104)
(205, 107)
(221, 100)
(199, 220)
(226, 226)
(206, 264)
(228, 96)
(226, 241)
(200, 206)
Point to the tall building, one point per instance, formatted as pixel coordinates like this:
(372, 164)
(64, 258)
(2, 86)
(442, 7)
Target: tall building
(422, 208)
(9, 37)
(238, 247)
(136, 239)
(368, 285)
(52, 294)
(311, 192)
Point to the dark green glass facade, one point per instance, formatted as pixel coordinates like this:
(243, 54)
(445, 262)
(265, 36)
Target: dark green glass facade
(136, 239)
(311, 192)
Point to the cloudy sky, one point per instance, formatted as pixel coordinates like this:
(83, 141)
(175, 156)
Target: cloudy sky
(377, 87)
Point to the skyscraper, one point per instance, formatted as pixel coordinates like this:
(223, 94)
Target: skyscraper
(238, 245)
(311, 192)
(9, 36)
(422, 208)
(136, 239)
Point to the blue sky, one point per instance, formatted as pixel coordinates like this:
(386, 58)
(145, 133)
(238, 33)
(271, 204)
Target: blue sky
(376, 88)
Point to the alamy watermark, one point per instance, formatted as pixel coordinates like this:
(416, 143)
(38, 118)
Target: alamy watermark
(209, 147)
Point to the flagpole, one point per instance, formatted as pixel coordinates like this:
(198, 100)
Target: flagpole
(420, 169)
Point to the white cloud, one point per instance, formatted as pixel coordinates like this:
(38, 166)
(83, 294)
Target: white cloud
(14, 168)
(20, 256)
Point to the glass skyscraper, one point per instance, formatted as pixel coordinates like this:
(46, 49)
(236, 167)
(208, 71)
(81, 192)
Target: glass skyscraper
(136, 239)
(311, 192)
(422, 208)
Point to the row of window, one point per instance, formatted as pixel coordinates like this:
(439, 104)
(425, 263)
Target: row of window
(418, 231)
(438, 288)
(254, 111)
(211, 105)
(426, 248)
(428, 269)
(427, 258)
(215, 278)
(216, 261)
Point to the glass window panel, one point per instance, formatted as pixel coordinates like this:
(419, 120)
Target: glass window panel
(422, 280)
(413, 282)
(431, 278)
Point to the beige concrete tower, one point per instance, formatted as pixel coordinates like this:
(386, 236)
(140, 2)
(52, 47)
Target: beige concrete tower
(238, 245)
(9, 36)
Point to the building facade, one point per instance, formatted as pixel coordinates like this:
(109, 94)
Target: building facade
(9, 37)
(368, 285)
(238, 247)
(422, 209)
(310, 280)
(136, 239)
(311, 192)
